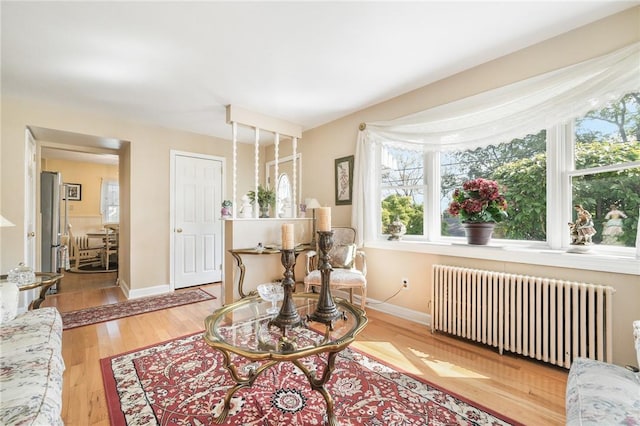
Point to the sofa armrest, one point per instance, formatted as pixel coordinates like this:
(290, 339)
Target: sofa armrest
(599, 393)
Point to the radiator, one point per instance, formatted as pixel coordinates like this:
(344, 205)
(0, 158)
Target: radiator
(548, 319)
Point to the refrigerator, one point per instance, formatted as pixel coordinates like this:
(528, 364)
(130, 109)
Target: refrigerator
(50, 199)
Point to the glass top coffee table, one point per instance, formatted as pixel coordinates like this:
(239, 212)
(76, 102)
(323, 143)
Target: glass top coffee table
(43, 280)
(242, 332)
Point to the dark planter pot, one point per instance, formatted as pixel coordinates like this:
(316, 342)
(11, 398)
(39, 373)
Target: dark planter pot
(478, 233)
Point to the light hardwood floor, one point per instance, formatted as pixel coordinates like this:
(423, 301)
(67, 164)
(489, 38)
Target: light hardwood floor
(523, 390)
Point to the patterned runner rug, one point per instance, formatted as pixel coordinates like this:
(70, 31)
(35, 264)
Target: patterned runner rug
(183, 381)
(129, 308)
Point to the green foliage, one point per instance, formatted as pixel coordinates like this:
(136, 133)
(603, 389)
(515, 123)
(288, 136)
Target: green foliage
(621, 188)
(526, 191)
(526, 197)
(406, 210)
(482, 162)
(266, 196)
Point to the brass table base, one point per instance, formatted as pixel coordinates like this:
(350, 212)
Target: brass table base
(317, 383)
(244, 329)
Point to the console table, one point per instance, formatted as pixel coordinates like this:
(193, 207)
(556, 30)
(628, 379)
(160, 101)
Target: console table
(243, 328)
(238, 253)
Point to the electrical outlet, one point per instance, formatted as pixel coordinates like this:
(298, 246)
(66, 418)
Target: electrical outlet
(405, 283)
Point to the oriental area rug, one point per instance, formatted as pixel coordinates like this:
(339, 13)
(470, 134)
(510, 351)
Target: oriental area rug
(183, 381)
(129, 308)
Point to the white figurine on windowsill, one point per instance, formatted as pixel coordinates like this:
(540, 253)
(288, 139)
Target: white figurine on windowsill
(582, 231)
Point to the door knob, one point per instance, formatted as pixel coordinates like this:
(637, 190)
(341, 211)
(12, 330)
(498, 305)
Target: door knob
(31, 234)
(178, 230)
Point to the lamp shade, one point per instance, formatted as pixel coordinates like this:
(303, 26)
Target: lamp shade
(312, 203)
(4, 222)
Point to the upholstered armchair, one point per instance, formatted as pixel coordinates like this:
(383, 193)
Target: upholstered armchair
(349, 265)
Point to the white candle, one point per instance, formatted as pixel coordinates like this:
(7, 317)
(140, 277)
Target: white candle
(324, 219)
(287, 236)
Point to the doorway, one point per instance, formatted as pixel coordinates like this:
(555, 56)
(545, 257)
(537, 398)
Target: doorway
(197, 183)
(87, 163)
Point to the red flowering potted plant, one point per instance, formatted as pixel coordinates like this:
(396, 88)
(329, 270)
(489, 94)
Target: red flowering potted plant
(480, 206)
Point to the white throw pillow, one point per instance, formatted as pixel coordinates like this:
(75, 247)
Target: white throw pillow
(9, 293)
(343, 256)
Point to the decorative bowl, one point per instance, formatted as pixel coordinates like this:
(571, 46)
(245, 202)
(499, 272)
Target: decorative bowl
(271, 292)
(21, 275)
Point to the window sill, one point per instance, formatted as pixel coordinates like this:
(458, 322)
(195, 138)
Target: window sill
(534, 256)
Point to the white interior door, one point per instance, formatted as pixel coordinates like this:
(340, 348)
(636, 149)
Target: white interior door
(198, 183)
(30, 207)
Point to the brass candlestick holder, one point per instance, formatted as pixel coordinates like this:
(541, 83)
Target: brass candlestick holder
(288, 315)
(326, 311)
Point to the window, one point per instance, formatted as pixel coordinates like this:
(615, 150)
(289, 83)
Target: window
(519, 167)
(603, 175)
(110, 201)
(606, 179)
(403, 188)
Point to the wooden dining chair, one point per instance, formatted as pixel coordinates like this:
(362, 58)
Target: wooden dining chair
(80, 252)
(111, 243)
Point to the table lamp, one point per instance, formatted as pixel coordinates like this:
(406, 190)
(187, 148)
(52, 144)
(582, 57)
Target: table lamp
(313, 204)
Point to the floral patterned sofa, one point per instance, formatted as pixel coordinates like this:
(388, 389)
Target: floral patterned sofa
(31, 368)
(603, 394)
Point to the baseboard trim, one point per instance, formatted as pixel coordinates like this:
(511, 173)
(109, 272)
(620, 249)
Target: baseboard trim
(388, 308)
(145, 292)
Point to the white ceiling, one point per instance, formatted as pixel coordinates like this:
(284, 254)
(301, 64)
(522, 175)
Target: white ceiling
(177, 64)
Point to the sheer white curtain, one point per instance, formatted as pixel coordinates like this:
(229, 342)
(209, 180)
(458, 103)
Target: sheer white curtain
(496, 116)
(364, 217)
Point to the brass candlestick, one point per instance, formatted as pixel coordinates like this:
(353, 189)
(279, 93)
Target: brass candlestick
(326, 311)
(288, 315)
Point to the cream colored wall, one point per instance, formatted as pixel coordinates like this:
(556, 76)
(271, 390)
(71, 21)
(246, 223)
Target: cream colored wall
(246, 173)
(386, 268)
(144, 167)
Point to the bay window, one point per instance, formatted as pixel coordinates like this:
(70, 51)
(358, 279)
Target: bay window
(602, 175)
(566, 137)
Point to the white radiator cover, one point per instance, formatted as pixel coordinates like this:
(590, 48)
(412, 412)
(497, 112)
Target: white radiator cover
(548, 319)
